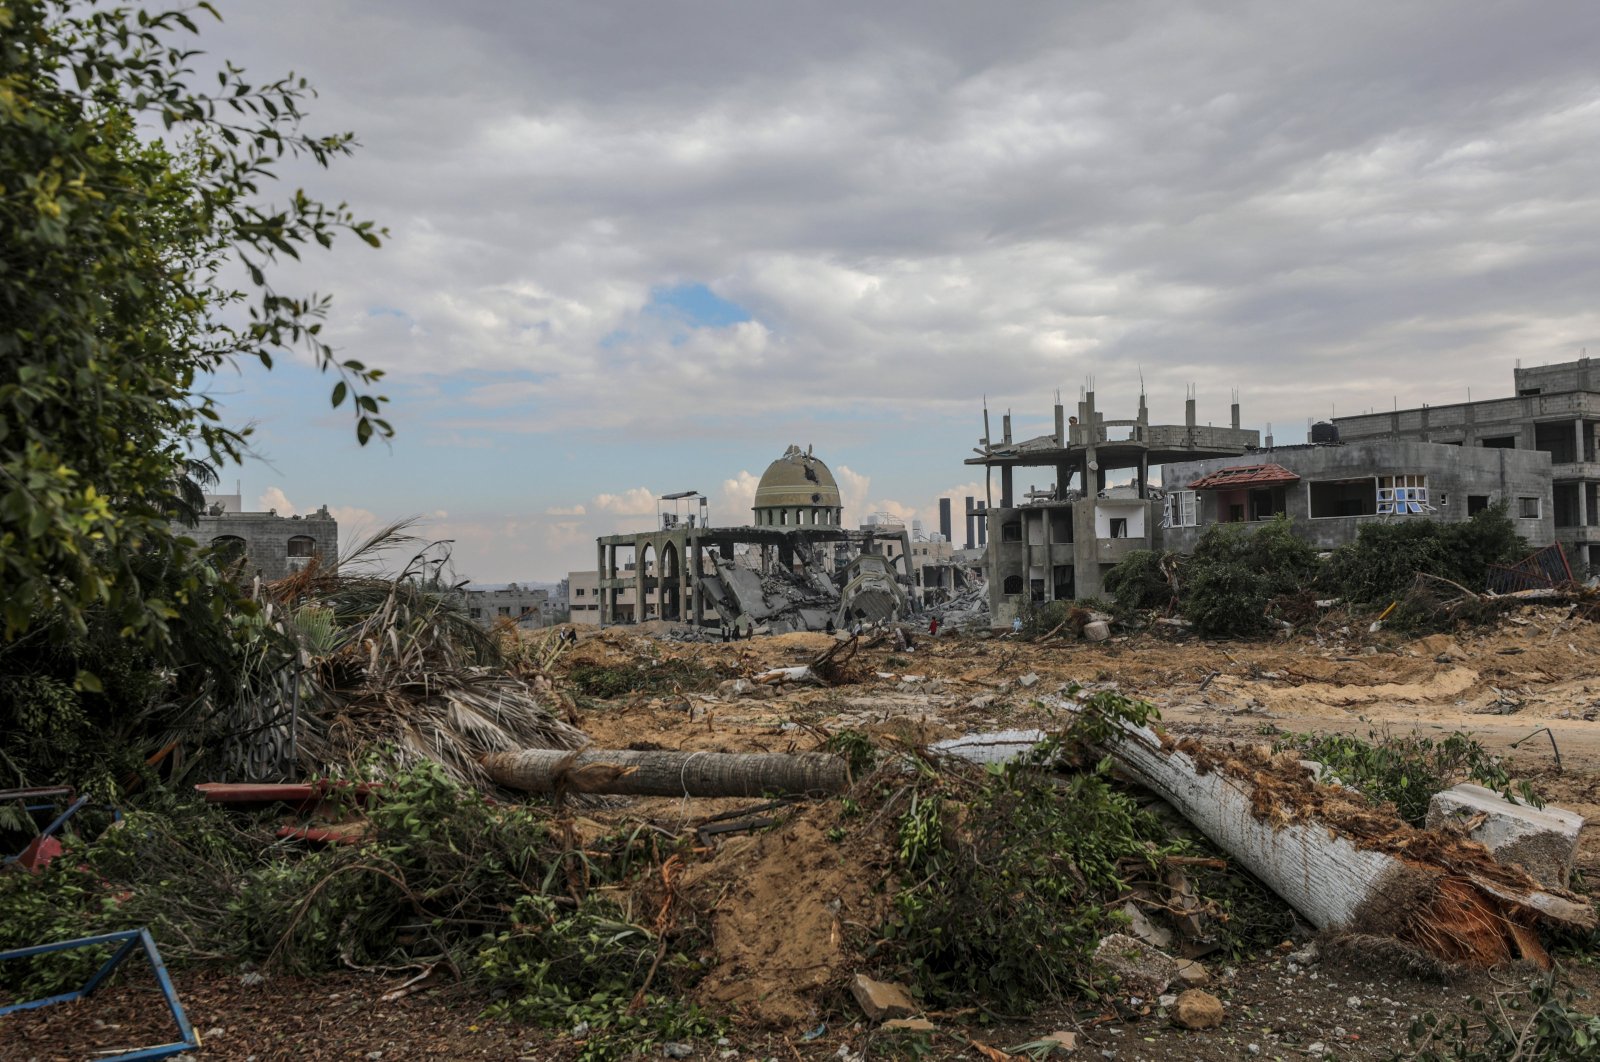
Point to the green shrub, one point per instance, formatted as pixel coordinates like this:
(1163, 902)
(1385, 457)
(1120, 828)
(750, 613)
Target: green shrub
(1237, 572)
(1384, 560)
(1006, 882)
(1513, 1026)
(1138, 583)
(1408, 771)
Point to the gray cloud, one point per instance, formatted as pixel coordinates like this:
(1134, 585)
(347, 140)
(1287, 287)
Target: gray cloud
(1317, 203)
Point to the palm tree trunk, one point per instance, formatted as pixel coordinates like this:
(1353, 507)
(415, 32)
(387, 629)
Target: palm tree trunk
(706, 774)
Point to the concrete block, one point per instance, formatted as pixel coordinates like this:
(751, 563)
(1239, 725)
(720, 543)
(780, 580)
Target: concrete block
(1097, 631)
(882, 999)
(1543, 841)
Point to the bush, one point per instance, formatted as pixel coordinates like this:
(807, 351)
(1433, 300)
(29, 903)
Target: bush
(1538, 1024)
(1384, 560)
(1138, 583)
(1236, 573)
(1408, 771)
(496, 892)
(1007, 882)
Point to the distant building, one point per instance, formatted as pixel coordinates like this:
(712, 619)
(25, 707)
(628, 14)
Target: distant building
(267, 544)
(524, 606)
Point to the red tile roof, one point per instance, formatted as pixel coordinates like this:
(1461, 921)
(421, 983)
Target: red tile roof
(1244, 476)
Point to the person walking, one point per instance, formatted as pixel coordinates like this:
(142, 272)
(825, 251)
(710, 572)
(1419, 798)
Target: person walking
(933, 627)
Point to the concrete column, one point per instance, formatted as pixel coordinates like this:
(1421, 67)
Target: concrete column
(683, 580)
(1005, 487)
(1583, 504)
(1578, 436)
(600, 581)
(699, 598)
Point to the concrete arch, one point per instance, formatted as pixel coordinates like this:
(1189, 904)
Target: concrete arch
(644, 603)
(669, 582)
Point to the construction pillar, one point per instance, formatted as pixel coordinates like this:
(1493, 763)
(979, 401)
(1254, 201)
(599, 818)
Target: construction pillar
(600, 581)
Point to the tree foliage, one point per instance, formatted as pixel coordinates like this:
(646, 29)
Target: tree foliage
(1385, 558)
(129, 195)
(1237, 572)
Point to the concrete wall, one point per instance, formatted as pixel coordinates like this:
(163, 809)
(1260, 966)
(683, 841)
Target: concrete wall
(266, 539)
(1453, 474)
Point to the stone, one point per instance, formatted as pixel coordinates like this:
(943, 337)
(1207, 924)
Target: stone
(1191, 974)
(1097, 631)
(1144, 929)
(1028, 681)
(1543, 841)
(1197, 1009)
(882, 999)
(1141, 970)
(1060, 1042)
(912, 1025)
(673, 1050)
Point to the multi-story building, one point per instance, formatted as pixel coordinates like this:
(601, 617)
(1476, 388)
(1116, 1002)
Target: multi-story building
(1057, 542)
(1556, 409)
(1328, 491)
(266, 544)
(522, 605)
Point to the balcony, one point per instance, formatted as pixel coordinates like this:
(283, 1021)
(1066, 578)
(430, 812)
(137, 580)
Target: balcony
(1114, 550)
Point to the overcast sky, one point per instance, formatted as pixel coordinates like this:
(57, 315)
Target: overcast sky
(643, 247)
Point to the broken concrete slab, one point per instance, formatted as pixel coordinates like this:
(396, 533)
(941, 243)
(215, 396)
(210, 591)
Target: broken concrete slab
(1543, 841)
(1142, 970)
(1146, 930)
(1097, 631)
(882, 999)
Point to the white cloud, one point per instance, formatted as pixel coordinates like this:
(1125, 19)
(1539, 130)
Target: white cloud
(853, 488)
(733, 505)
(570, 510)
(274, 500)
(637, 501)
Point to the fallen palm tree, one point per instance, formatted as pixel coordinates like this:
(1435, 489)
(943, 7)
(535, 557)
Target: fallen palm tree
(1347, 867)
(341, 662)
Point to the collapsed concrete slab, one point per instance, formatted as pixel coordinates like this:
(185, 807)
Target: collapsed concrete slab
(1542, 841)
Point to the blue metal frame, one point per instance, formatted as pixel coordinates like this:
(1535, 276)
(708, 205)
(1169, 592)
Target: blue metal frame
(129, 939)
(59, 821)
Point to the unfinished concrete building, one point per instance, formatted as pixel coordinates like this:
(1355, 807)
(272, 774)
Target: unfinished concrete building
(789, 569)
(1556, 409)
(1056, 542)
(1328, 491)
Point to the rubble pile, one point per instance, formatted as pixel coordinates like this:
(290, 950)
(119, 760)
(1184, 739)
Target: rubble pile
(967, 609)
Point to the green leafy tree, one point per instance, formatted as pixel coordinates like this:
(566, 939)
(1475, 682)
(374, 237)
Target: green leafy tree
(129, 195)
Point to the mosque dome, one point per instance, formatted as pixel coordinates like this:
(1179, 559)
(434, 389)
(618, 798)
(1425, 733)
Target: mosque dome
(797, 490)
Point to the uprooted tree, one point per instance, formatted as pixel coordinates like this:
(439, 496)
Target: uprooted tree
(116, 249)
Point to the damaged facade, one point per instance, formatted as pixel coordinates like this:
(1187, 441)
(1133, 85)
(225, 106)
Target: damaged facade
(1327, 491)
(1057, 542)
(266, 544)
(794, 567)
(1556, 410)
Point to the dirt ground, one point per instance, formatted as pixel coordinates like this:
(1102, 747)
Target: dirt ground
(790, 907)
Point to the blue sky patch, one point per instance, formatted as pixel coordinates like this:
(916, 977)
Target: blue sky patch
(696, 305)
